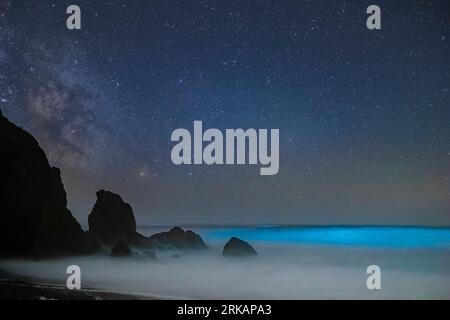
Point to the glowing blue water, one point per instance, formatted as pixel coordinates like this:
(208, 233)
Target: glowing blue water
(394, 237)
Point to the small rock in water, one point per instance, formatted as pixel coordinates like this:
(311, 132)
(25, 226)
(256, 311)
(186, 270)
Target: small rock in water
(238, 248)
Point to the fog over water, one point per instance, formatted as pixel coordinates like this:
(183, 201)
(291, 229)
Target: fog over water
(416, 265)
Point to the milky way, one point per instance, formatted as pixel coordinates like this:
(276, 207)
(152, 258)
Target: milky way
(363, 115)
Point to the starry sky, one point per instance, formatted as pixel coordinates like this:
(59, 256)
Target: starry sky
(364, 115)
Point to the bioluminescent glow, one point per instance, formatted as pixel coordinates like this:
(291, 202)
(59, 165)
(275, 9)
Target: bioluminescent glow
(396, 237)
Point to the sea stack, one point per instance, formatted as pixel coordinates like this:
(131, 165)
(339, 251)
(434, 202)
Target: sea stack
(111, 219)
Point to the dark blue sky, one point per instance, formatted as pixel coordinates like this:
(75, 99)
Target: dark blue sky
(363, 115)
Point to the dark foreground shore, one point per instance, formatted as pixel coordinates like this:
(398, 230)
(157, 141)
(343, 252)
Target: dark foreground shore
(18, 288)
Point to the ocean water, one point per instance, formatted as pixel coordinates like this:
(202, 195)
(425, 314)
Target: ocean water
(374, 237)
(292, 263)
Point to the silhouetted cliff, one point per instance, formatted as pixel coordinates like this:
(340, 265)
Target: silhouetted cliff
(34, 219)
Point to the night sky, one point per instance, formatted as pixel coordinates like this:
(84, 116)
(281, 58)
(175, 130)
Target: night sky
(364, 115)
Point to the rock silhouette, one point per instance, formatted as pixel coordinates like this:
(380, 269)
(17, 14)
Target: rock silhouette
(111, 220)
(138, 240)
(93, 243)
(34, 219)
(177, 238)
(238, 248)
